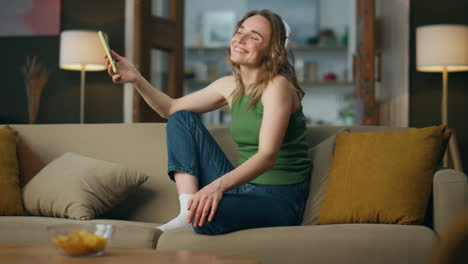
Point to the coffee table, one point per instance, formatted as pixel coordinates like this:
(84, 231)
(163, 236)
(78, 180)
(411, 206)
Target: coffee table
(41, 254)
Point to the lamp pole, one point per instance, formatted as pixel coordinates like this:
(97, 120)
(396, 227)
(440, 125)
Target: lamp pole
(445, 109)
(444, 96)
(82, 92)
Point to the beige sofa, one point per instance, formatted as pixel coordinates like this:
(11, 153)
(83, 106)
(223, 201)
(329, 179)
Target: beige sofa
(142, 146)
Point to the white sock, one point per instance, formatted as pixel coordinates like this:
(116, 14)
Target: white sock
(181, 220)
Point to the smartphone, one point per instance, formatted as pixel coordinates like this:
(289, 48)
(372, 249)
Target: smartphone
(107, 50)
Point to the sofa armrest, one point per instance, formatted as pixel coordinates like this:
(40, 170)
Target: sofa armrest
(450, 197)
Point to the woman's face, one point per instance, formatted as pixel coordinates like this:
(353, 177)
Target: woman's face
(250, 41)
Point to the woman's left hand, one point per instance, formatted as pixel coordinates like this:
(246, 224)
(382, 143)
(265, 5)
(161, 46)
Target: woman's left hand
(204, 204)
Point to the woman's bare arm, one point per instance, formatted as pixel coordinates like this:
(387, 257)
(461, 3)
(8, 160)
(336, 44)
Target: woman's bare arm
(207, 99)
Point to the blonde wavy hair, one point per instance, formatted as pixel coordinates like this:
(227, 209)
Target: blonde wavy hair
(274, 62)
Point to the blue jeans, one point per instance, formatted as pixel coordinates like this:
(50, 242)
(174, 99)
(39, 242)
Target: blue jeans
(192, 149)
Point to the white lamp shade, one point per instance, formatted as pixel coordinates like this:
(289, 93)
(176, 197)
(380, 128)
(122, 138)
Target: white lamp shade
(442, 46)
(81, 49)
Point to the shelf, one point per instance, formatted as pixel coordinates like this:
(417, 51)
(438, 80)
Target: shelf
(198, 82)
(320, 47)
(326, 83)
(200, 48)
(295, 48)
(308, 83)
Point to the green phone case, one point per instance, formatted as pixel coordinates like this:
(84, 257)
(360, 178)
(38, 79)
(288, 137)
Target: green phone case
(107, 50)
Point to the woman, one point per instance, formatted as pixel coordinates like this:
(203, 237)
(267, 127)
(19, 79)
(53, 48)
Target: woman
(270, 186)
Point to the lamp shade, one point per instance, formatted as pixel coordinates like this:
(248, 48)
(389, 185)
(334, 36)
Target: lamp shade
(81, 49)
(442, 46)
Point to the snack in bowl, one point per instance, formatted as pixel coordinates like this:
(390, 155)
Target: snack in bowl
(80, 243)
(80, 239)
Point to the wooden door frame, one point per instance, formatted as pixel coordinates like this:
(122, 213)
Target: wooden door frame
(364, 60)
(389, 86)
(143, 33)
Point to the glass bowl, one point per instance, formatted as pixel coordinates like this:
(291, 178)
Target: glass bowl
(80, 239)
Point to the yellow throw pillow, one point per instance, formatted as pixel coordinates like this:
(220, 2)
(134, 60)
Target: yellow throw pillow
(382, 176)
(10, 194)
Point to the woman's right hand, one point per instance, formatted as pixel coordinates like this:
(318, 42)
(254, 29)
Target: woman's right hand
(127, 72)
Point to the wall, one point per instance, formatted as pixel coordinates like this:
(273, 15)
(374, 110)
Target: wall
(426, 88)
(335, 14)
(61, 96)
(195, 8)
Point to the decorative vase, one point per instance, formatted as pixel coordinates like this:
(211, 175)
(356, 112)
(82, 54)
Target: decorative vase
(35, 78)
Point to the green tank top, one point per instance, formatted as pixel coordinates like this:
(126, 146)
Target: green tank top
(292, 164)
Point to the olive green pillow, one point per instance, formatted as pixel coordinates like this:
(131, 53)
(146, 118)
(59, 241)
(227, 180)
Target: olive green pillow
(10, 193)
(382, 177)
(79, 187)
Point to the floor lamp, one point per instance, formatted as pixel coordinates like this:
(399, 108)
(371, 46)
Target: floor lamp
(81, 50)
(443, 48)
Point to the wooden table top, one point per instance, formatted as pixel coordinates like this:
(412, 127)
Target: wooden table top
(41, 254)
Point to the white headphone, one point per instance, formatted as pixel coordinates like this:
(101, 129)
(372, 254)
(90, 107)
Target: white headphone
(287, 41)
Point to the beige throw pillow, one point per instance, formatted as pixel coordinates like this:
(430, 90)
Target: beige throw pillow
(79, 187)
(321, 157)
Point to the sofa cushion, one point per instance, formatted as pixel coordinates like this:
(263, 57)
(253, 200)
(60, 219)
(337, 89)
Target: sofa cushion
(321, 157)
(344, 243)
(382, 177)
(29, 164)
(79, 187)
(32, 230)
(139, 145)
(10, 193)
